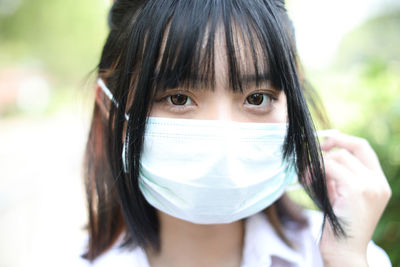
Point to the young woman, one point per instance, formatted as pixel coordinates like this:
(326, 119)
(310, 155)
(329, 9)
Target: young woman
(200, 124)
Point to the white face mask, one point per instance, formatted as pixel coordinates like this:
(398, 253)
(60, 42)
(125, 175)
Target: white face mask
(210, 172)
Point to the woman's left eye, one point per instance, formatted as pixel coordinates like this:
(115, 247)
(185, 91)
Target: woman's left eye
(257, 99)
(179, 100)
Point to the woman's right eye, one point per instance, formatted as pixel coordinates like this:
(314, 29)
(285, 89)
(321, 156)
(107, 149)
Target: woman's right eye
(175, 102)
(179, 100)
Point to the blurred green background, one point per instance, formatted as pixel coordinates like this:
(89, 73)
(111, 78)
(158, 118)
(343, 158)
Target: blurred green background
(47, 52)
(361, 91)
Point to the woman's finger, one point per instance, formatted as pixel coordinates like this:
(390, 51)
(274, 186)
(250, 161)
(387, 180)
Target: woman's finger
(357, 146)
(337, 175)
(332, 192)
(345, 158)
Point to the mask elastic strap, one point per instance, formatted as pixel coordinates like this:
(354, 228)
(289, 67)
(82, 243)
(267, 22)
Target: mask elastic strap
(110, 96)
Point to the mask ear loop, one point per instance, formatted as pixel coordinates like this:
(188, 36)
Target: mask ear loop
(105, 107)
(102, 102)
(109, 95)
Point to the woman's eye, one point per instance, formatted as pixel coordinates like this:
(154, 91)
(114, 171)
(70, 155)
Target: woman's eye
(179, 100)
(256, 99)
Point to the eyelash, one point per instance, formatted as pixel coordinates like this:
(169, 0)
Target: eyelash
(176, 108)
(270, 96)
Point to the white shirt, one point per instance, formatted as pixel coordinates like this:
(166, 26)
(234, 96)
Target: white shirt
(262, 247)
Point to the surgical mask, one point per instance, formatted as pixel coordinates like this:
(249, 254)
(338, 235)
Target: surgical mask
(211, 171)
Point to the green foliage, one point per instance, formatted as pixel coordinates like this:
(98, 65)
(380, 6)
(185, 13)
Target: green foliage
(62, 37)
(377, 39)
(59, 41)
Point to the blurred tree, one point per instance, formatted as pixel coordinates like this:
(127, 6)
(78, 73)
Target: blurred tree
(59, 41)
(376, 39)
(62, 37)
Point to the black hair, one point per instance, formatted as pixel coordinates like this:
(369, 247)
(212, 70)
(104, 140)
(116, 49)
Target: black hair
(159, 44)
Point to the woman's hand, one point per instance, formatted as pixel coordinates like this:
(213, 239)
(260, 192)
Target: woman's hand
(358, 192)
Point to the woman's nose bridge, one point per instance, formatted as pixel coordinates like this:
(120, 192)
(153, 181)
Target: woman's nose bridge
(222, 107)
(223, 112)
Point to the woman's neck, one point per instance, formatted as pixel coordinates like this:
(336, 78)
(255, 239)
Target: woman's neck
(192, 245)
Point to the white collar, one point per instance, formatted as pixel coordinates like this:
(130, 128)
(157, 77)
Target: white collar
(262, 244)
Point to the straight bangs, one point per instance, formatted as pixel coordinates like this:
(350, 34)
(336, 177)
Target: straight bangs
(240, 34)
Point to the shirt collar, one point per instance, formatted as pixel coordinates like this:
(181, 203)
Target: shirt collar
(261, 243)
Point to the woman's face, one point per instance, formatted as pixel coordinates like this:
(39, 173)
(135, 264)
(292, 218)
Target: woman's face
(261, 103)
